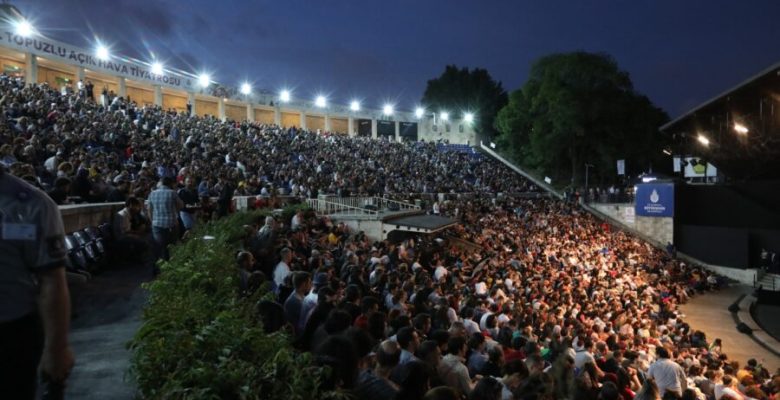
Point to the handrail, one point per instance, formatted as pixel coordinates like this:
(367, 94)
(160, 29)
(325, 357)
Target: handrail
(520, 171)
(358, 206)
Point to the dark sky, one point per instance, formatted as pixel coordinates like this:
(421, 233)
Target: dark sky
(678, 52)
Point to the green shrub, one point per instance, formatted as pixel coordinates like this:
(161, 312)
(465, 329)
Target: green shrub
(201, 340)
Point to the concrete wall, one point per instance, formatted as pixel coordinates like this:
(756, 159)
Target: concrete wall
(373, 229)
(339, 125)
(235, 112)
(291, 119)
(140, 95)
(314, 122)
(179, 103)
(54, 77)
(80, 216)
(264, 116)
(425, 131)
(206, 107)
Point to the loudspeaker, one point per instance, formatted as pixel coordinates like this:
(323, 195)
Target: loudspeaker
(742, 328)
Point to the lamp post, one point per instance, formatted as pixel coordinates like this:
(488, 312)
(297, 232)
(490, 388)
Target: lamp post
(587, 173)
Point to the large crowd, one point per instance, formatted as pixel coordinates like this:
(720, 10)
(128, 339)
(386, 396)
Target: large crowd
(80, 150)
(523, 299)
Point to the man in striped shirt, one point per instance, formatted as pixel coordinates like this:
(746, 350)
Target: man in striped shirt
(164, 206)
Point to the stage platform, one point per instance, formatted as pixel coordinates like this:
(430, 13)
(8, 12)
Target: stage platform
(709, 313)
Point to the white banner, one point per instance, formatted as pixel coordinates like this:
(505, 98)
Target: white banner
(58, 51)
(621, 167)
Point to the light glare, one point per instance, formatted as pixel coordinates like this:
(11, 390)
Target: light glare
(703, 140)
(468, 117)
(246, 88)
(418, 112)
(24, 28)
(284, 96)
(102, 53)
(354, 105)
(387, 109)
(157, 68)
(320, 101)
(741, 129)
(445, 116)
(204, 80)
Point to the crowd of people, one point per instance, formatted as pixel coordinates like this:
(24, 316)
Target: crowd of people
(523, 299)
(547, 303)
(80, 150)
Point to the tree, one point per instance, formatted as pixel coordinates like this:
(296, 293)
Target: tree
(460, 90)
(579, 108)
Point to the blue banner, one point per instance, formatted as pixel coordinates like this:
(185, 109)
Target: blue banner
(655, 200)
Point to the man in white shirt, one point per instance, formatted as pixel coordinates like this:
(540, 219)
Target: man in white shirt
(668, 375)
(282, 269)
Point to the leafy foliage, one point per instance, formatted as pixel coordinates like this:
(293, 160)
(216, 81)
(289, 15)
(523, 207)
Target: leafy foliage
(579, 108)
(460, 90)
(201, 340)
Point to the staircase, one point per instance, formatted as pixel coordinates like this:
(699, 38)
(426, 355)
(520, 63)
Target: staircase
(768, 281)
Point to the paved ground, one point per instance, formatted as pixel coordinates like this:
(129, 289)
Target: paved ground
(709, 313)
(107, 314)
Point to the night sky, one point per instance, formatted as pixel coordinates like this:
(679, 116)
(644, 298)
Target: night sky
(678, 52)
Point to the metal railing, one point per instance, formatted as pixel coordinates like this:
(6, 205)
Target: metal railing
(358, 206)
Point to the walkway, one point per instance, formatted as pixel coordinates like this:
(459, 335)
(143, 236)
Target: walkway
(107, 314)
(709, 313)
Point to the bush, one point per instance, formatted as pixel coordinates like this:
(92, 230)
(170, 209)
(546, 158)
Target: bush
(201, 340)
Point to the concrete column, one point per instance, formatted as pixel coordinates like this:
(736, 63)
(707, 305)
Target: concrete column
(277, 115)
(303, 120)
(327, 123)
(221, 109)
(351, 126)
(122, 83)
(250, 112)
(158, 95)
(374, 131)
(30, 69)
(81, 74)
(397, 131)
(191, 100)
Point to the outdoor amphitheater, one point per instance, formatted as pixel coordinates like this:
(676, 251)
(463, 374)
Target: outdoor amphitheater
(169, 236)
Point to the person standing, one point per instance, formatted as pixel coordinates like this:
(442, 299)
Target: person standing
(667, 374)
(189, 197)
(164, 206)
(34, 298)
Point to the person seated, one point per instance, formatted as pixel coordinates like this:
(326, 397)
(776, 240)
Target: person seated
(131, 229)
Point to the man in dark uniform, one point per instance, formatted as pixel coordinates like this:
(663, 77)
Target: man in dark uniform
(34, 299)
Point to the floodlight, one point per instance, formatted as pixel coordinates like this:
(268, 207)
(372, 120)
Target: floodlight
(418, 112)
(246, 88)
(102, 52)
(24, 28)
(468, 117)
(320, 101)
(284, 95)
(387, 109)
(204, 80)
(444, 116)
(703, 140)
(741, 129)
(354, 105)
(157, 68)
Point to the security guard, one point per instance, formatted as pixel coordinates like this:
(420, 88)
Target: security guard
(34, 300)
